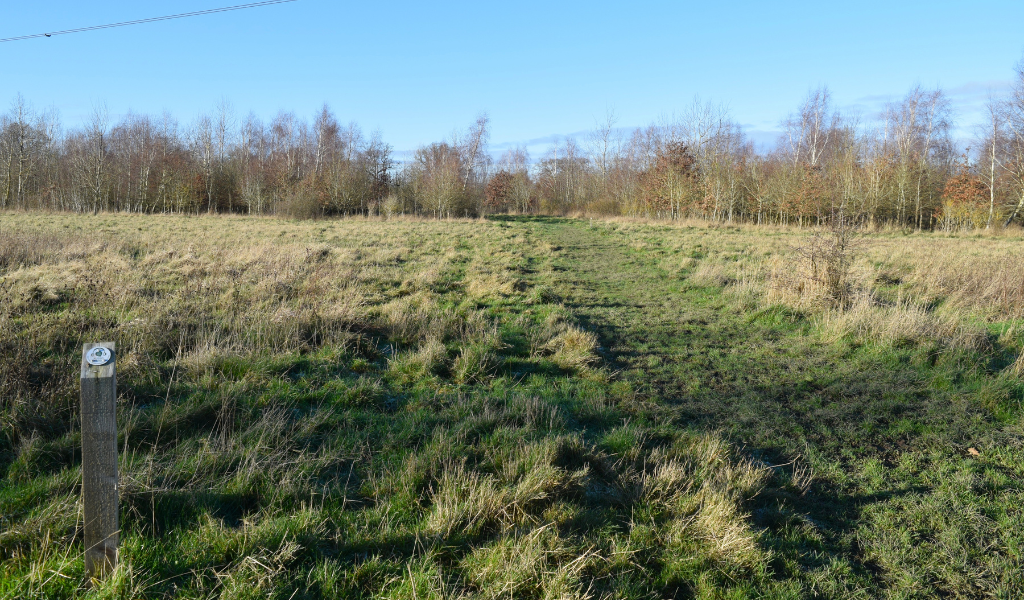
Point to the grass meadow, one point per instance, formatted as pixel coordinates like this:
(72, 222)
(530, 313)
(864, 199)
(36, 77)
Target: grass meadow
(516, 407)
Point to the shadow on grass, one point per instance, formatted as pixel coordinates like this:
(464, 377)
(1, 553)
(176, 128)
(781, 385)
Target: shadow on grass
(771, 387)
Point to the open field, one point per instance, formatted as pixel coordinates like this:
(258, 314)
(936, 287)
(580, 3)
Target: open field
(520, 407)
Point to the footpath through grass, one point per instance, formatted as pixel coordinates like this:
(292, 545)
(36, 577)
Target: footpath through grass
(893, 500)
(517, 408)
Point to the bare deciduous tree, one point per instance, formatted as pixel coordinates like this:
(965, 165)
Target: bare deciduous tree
(810, 131)
(1014, 162)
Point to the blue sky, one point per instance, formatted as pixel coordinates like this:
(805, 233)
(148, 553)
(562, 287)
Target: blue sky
(418, 70)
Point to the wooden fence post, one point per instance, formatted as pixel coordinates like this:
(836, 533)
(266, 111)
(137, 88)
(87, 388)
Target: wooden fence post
(99, 458)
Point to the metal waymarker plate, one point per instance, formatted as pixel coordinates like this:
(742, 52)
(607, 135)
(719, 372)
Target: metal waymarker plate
(98, 356)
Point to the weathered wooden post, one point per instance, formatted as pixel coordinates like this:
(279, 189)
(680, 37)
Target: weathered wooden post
(99, 457)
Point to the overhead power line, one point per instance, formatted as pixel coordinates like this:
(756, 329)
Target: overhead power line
(149, 20)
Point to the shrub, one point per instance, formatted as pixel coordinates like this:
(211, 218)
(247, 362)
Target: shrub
(828, 258)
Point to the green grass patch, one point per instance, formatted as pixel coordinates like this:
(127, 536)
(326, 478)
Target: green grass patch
(524, 407)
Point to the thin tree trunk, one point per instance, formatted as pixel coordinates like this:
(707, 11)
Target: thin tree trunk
(992, 180)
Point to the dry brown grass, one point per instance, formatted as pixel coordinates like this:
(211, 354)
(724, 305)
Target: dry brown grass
(901, 323)
(979, 273)
(199, 291)
(901, 287)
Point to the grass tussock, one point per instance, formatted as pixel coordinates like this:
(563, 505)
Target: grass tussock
(574, 348)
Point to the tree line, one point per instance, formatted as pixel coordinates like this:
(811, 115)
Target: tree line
(905, 169)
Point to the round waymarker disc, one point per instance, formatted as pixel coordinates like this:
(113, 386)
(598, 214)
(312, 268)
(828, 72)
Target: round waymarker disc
(98, 356)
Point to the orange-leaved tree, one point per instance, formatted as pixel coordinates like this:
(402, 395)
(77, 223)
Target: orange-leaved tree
(964, 201)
